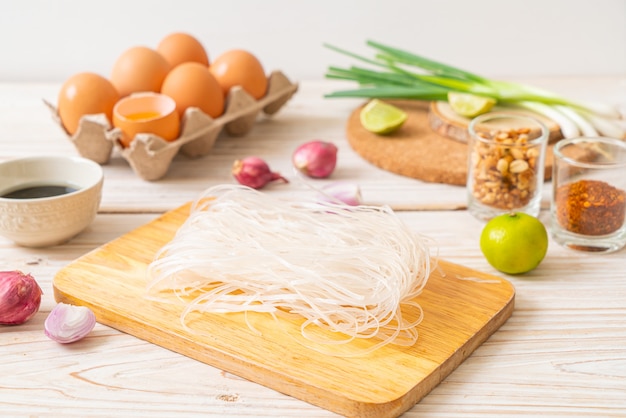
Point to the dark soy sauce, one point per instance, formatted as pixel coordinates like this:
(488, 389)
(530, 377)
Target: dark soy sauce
(35, 192)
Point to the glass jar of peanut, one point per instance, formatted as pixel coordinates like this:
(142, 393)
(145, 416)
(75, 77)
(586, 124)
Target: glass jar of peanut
(506, 154)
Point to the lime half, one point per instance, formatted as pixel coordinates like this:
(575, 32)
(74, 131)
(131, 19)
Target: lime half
(470, 105)
(381, 117)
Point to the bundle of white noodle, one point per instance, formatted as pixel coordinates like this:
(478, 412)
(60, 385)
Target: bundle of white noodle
(352, 270)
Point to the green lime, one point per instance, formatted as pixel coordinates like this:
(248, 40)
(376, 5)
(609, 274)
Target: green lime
(514, 243)
(381, 117)
(470, 105)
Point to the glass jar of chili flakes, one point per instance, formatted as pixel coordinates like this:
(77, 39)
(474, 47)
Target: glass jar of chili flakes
(588, 208)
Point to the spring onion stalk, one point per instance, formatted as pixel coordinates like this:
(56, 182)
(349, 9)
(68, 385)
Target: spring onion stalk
(583, 124)
(606, 127)
(568, 128)
(399, 74)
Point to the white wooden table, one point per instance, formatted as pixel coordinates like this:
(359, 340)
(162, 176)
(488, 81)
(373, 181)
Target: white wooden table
(562, 353)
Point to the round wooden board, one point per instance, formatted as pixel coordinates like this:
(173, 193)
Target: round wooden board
(415, 150)
(446, 122)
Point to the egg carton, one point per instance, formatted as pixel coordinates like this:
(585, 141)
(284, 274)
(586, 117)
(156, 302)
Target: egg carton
(150, 156)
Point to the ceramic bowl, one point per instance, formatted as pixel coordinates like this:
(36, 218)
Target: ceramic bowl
(47, 200)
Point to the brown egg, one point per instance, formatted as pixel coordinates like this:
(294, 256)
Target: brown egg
(139, 69)
(147, 112)
(85, 94)
(192, 85)
(179, 47)
(240, 68)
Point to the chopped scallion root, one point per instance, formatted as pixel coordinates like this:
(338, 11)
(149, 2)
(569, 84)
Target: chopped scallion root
(350, 273)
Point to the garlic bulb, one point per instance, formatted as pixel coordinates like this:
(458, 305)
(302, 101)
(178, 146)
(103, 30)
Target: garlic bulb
(68, 323)
(20, 297)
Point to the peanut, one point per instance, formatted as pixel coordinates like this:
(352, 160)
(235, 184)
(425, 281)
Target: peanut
(519, 166)
(504, 171)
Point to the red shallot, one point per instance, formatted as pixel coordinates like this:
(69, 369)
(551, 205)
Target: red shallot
(315, 158)
(68, 323)
(20, 297)
(254, 172)
(341, 192)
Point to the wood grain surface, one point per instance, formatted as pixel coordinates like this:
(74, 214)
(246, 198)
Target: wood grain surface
(561, 354)
(462, 308)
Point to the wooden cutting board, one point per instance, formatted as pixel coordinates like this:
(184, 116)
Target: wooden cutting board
(416, 150)
(462, 308)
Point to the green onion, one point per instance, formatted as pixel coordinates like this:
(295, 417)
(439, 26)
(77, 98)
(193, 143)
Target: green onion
(399, 74)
